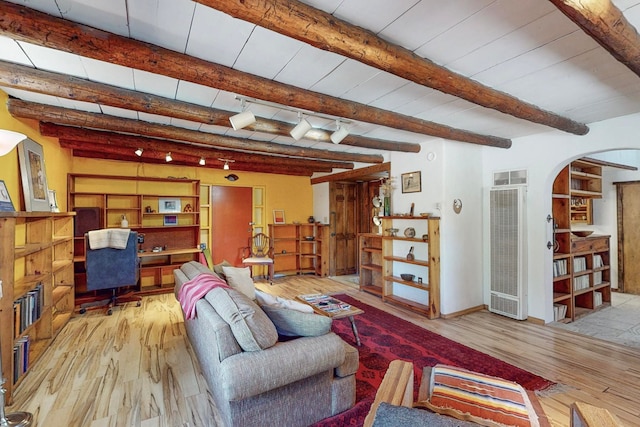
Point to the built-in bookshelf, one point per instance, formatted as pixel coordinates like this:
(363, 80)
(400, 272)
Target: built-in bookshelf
(36, 275)
(299, 248)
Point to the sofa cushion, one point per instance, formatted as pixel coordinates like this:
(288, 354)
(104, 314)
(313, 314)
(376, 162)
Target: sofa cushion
(240, 279)
(250, 326)
(264, 298)
(388, 415)
(217, 268)
(479, 398)
(294, 323)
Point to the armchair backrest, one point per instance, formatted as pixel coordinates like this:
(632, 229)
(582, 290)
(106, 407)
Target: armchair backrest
(109, 268)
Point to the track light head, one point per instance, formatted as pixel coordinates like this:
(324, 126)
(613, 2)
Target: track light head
(226, 166)
(202, 161)
(301, 128)
(340, 133)
(139, 152)
(242, 120)
(168, 157)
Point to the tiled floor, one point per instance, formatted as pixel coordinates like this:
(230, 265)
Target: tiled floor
(619, 323)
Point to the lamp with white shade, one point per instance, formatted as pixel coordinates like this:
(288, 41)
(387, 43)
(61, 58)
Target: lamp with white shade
(9, 139)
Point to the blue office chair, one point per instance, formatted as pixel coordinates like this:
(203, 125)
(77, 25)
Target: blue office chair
(112, 268)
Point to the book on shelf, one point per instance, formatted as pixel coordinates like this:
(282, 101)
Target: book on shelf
(559, 311)
(325, 302)
(597, 298)
(579, 264)
(581, 282)
(559, 267)
(597, 261)
(597, 278)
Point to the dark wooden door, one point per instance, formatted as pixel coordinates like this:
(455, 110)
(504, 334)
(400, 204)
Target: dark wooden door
(629, 237)
(231, 212)
(344, 221)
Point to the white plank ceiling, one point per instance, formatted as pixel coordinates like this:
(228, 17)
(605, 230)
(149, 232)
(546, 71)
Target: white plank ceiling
(526, 48)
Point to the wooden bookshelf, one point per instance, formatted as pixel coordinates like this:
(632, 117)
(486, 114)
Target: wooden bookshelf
(36, 270)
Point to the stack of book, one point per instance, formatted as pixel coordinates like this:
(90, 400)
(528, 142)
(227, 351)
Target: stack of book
(325, 302)
(559, 311)
(27, 309)
(579, 264)
(597, 298)
(580, 282)
(559, 267)
(20, 357)
(597, 261)
(597, 278)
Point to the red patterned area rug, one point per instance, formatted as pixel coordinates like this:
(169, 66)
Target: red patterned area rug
(386, 337)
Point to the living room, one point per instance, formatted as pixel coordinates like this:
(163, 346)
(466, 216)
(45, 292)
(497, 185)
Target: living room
(450, 171)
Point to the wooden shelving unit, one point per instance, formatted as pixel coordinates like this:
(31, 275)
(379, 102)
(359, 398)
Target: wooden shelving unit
(140, 199)
(581, 269)
(370, 263)
(425, 265)
(299, 248)
(585, 185)
(36, 270)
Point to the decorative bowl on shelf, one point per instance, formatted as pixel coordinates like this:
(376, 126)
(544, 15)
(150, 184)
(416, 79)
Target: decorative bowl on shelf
(582, 233)
(392, 231)
(409, 232)
(407, 277)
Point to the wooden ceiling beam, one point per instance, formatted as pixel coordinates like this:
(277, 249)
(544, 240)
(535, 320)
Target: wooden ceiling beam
(235, 168)
(70, 87)
(606, 24)
(65, 116)
(369, 173)
(325, 31)
(28, 25)
(132, 142)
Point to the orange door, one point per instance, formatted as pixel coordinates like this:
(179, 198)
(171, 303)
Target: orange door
(231, 211)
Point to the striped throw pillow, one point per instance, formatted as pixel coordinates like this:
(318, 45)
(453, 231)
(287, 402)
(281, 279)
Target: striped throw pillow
(483, 399)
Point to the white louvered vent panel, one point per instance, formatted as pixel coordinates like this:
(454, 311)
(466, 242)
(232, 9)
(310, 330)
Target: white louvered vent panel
(508, 252)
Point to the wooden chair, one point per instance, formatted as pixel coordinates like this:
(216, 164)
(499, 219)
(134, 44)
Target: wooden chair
(259, 252)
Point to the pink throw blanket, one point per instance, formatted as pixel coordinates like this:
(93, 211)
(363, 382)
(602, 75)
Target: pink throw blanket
(196, 288)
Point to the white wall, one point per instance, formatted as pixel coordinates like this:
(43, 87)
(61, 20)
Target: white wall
(544, 155)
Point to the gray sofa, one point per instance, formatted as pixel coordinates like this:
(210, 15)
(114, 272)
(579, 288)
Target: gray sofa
(293, 383)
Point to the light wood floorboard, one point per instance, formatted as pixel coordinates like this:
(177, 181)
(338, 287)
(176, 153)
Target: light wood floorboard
(136, 368)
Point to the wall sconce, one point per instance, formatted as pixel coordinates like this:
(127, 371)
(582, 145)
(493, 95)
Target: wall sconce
(340, 133)
(168, 157)
(202, 162)
(9, 139)
(139, 152)
(301, 128)
(243, 119)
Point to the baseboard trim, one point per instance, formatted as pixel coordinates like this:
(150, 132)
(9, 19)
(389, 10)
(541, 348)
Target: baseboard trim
(463, 312)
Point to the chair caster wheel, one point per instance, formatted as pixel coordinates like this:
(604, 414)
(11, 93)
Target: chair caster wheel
(109, 312)
(83, 310)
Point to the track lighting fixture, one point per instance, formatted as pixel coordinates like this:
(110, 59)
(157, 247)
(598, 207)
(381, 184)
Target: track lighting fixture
(139, 152)
(226, 163)
(8, 140)
(340, 133)
(168, 158)
(301, 128)
(202, 162)
(243, 119)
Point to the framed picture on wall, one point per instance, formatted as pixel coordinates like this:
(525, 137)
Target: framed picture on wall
(278, 216)
(169, 205)
(5, 199)
(34, 178)
(171, 220)
(411, 182)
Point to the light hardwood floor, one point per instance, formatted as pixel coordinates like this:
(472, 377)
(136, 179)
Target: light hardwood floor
(135, 368)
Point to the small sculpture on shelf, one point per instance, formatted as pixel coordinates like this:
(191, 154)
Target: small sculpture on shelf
(188, 208)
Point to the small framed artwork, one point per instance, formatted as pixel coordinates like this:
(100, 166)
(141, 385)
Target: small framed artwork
(278, 216)
(171, 220)
(5, 199)
(169, 205)
(411, 182)
(34, 179)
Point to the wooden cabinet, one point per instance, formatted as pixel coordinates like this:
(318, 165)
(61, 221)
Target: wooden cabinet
(299, 248)
(36, 270)
(322, 250)
(585, 185)
(581, 269)
(422, 294)
(166, 211)
(370, 263)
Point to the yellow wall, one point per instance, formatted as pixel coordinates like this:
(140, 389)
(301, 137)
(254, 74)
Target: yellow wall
(57, 161)
(293, 194)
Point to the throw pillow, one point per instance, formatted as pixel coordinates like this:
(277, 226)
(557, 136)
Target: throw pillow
(250, 325)
(264, 298)
(479, 398)
(217, 268)
(240, 279)
(293, 323)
